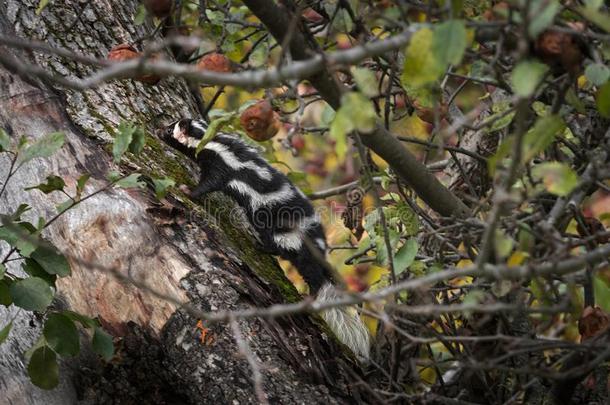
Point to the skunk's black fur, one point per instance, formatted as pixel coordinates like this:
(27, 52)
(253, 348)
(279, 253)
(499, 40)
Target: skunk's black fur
(279, 213)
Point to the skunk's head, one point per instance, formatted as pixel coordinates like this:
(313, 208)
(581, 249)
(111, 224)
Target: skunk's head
(185, 132)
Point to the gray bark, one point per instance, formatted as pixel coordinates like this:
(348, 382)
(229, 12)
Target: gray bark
(203, 260)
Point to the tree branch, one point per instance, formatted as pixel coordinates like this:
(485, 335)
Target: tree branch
(412, 172)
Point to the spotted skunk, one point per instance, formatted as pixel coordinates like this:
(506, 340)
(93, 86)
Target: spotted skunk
(279, 213)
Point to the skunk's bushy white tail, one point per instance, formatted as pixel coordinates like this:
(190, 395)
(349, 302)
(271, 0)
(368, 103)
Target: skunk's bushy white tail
(346, 324)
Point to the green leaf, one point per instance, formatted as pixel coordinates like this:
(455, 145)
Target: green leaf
(421, 65)
(32, 294)
(113, 175)
(526, 77)
(405, 256)
(370, 223)
(503, 244)
(61, 334)
(64, 206)
(81, 183)
(481, 70)
(51, 260)
(102, 344)
(450, 42)
(5, 331)
(602, 99)
(122, 140)
(43, 147)
(43, 368)
(365, 120)
(426, 97)
(381, 247)
(501, 119)
(41, 224)
(408, 218)
(138, 140)
(5, 141)
(23, 141)
(5, 294)
(343, 22)
(594, 4)
(260, 56)
(346, 121)
(34, 269)
(526, 238)
(40, 342)
(573, 99)
(500, 288)
(558, 178)
(85, 321)
(597, 73)
(131, 181)
(601, 291)
(215, 126)
(366, 81)
(161, 186)
(601, 19)
(54, 183)
(339, 129)
(2, 270)
(543, 13)
(540, 108)
(140, 16)
(473, 297)
(22, 209)
(41, 6)
(14, 233)
(541, 136)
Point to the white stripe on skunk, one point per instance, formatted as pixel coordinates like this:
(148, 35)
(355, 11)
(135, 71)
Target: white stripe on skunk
(234, 163)
(258, 200)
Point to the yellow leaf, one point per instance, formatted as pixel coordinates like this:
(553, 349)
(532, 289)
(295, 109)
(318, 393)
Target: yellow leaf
(460, 281)
(517, 258)
(421, 66)
(372, 323)
(375, 274)
(410, 125)
(464, 263)
(582, 81)
(570, 333)
(331, 162)
(382, 164)
(368, 203)
(421, 17)
(427, 374)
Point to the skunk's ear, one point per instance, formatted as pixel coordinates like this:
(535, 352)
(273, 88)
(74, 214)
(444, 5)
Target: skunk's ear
(185, 125)
(197, 128)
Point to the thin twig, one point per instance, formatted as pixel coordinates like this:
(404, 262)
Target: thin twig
(244, 350)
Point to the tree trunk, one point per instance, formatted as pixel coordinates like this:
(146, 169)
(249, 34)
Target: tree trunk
(201, 258)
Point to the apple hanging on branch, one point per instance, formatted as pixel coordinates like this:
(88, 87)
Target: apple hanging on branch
(260, 121)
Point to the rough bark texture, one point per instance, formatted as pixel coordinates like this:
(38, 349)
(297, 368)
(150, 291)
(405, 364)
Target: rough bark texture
(203, 259)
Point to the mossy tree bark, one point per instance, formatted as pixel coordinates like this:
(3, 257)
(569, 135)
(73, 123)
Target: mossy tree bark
(202, 260)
